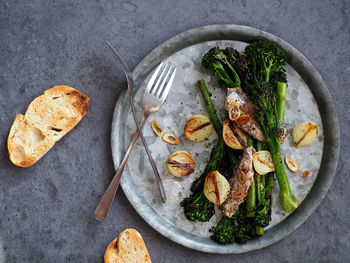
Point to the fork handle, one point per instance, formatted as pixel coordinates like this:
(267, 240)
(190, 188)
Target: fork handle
(105, 204)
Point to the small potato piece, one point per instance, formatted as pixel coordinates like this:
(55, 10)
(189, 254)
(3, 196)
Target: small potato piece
(304, 134)
(216, 188)
(155, 127)
(180, 163)
(170, 138)
(198, 128)
(291, 164)
(263, 163)
(233, 136)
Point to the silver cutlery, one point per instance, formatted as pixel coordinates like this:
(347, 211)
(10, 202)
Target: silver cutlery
(155, 94)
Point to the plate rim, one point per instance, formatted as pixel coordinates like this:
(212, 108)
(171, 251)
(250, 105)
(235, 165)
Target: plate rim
(329, 121)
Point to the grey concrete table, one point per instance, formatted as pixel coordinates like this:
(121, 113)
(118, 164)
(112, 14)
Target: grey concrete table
(46, 211)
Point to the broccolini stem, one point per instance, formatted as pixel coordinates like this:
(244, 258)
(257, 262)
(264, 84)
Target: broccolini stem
(259, 230)
(289, 202)
(210, 107)
(251, 200)
(261, 186)
(281, 99)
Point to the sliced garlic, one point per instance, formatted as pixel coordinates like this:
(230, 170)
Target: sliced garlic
(234, 111)
(306, 174)
(291, 164)
(240, 194)
(180, 163)
(198, 128)
(243, 119)
(263, 163)
(216, 188)
(233, 136)
(155, 127)
(242, 178)
(304, 134)
(170, 138)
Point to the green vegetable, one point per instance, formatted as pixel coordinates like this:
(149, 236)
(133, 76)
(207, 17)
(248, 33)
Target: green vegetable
(217, 61)
(210, 107)
(264, 96)
(267, 59)
(238, 228)
(224, 232)
(196, 206)
(280, 81)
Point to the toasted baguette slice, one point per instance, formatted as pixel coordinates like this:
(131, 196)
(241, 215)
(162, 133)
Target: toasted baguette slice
(48, 118)
(127, 247)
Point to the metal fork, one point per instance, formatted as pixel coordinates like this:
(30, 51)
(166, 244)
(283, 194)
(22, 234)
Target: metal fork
(155, 94)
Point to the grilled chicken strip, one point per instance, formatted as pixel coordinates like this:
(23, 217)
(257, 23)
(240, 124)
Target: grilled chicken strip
(242, 111)
(243, 176)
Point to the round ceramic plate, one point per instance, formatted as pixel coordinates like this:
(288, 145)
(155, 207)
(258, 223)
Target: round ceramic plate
(307, 100)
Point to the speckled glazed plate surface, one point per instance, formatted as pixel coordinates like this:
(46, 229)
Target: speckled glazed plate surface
(307, 100)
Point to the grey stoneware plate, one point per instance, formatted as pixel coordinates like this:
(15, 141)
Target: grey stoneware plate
(307, 100)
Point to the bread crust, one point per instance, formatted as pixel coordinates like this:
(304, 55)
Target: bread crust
(47, 119)
(127, 247)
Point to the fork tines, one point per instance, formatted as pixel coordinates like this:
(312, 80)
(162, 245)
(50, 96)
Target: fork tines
(161, 80)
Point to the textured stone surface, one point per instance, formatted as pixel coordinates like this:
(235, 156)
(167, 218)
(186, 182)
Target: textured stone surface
(46, 211)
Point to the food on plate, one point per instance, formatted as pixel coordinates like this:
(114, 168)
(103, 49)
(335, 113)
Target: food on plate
(292, 165)
(234, 137)
(263, 163)
(246, 117)
(156, 128)
(306, 174)
(280, 80)
(304, 134)
(198, 128)
(238, 190)
(216, 188)
(170, 138)
(127, 247)
(256, 86)
(180, 163)
(48, 118)
(197, 207)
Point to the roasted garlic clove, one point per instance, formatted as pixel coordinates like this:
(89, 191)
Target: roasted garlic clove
(198, 128)
(233, 136)
(304, 134)
(216, 188)
(156, 128)
(263, 163)
(180, 163)
(291, 164)
(170, 138)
